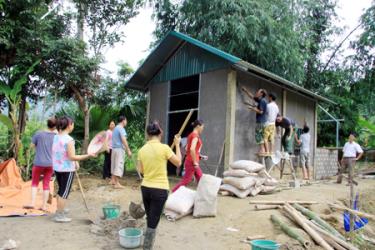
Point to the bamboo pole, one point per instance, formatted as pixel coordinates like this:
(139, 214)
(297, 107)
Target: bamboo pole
(289, 231)
(302, 222)
(183, 126)
(283, 202)
(266, 207)
(333, 243)
(311, 215)
(343, 208)
(343, 243)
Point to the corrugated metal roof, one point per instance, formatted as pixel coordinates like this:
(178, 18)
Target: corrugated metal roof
(176, 52)
(190, 60)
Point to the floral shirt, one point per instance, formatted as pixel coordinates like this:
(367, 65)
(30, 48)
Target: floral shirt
(60, 159)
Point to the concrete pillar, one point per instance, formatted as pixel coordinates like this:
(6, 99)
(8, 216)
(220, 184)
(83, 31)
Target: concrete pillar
(230, 117)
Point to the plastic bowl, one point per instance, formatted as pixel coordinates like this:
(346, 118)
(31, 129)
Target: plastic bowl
(111, 211)
(130, 237)
(264, 245)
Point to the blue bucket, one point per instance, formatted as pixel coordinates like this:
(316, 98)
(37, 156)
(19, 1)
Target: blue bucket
(264, 245)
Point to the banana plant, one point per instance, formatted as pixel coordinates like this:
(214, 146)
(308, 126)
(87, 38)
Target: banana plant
(13, 96)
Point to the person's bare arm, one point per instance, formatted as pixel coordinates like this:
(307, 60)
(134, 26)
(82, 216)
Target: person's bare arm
(291, 132)
(176, 159)
(192, 151)
(32, 146)
(247, 92)
(256, 110)
(72, 154)
(125, 143)
(359, 156)
(140, 167)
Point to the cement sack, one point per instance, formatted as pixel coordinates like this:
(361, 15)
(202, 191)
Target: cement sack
(181, 201)
(206, 196)
(271, 182)
(241, 183)
(235, 191)
(236, 173)
(268, 189)
(249, 166)
(259, 181)
(173, 216)
(256, 190)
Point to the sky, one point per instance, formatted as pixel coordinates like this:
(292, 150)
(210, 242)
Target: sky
(139, 34)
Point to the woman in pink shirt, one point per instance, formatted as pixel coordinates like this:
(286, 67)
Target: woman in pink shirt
(107, 155)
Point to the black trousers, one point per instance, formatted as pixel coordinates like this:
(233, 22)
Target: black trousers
(154, 200)
(107, 164)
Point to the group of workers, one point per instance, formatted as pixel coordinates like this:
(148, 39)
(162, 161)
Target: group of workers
(55, 154)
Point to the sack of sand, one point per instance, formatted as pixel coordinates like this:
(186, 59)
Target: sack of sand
(180, 203)
(235, 191)
(206, 198)
(249, 166)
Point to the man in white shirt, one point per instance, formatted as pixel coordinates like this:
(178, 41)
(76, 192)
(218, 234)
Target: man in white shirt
(270, 126)
(352, 152)
(304, 141)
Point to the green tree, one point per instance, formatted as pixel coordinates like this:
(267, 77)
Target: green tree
(104, 20)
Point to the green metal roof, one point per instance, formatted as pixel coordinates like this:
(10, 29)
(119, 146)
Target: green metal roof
(179, 55)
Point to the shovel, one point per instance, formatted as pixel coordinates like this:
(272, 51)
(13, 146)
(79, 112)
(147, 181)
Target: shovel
(91, 217)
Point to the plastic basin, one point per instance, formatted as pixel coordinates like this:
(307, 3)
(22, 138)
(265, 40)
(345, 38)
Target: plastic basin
(111, 211)
(264, 245)
(130, 237)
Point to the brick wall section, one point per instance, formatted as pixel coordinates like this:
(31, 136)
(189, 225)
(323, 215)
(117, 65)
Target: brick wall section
(325, 163)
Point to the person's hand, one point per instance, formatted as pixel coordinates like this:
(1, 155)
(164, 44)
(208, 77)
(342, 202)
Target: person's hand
(92, 155)
(196, 165)
(204, 157)
(76, 163)
(129, 153)
(177, 140)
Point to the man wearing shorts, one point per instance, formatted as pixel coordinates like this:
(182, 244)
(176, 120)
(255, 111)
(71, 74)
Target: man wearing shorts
(304, 141)
(270, 127)
(287, 141)
(119, 145)
(261, 117)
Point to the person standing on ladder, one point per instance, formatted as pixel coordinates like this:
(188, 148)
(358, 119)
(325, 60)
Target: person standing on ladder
(352, 152)
(287, 140)
(261, 116)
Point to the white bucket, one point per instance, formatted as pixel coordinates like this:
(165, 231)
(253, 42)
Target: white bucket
(130, 237)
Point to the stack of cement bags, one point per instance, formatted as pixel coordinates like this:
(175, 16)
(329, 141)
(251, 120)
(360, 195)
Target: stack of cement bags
(202, 203)
(246, 178)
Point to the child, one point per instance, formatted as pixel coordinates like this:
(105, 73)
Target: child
(350, 151)
(304, 141)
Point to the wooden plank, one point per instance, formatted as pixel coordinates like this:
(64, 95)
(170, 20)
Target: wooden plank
(230, 117)
(273, 202)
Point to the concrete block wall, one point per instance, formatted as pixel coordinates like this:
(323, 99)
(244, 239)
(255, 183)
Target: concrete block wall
(325, 163)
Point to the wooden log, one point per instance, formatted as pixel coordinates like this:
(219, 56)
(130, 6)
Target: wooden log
(266, 207)
(283, 202)
(333, 243)
(343, 243)
(289, 231)
(362, 214)
(302, 222)
(311, 215)
(255, 237)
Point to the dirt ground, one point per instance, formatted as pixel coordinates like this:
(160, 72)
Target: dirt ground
(187, 233)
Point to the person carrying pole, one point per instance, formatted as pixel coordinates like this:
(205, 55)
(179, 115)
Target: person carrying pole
(152, 162)
(193, 149)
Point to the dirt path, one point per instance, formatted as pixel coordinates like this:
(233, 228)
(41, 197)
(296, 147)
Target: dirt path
(188, 233)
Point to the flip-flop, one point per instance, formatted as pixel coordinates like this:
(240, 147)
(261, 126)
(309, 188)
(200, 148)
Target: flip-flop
(28, 207)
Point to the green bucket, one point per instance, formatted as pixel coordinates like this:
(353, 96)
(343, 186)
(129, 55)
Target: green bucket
(264, 245)
(111, 211)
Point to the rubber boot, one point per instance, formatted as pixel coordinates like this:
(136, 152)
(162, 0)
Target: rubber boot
(148, 242)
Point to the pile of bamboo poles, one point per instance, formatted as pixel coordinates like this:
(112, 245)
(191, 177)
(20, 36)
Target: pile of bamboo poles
(322, 233)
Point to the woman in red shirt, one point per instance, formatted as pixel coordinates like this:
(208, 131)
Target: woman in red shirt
(193, 148)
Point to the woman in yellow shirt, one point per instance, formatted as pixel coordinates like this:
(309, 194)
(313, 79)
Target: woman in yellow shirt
(152, 162)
